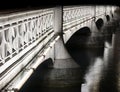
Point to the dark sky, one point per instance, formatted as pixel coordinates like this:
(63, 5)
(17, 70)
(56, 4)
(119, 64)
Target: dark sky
(15, 4)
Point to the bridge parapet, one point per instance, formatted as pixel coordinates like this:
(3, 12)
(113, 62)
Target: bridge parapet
(18, 31)
(76, 15)
(73, 16)
(100, 10)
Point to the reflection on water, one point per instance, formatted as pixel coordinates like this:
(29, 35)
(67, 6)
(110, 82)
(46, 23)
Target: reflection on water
(93, 76)
(104, 74)
(98, 71)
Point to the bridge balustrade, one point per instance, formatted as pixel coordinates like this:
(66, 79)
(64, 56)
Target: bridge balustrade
(74, 15)
(21, 32)
(18, 31)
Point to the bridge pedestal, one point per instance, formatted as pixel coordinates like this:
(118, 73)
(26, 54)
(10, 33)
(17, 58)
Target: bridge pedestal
(61, 55)
(65, 71)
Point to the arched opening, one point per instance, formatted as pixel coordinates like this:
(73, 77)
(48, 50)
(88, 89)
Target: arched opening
(108, 17)
(85, 31)
(33, 84)
(79, 38)
(80, 48)
(99, 23)
(77, 42)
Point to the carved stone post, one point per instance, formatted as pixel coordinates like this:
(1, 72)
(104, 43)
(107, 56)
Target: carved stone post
(62, 57)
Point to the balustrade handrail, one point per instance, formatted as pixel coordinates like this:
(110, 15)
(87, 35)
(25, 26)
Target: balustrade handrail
(22, 16)
(18, 31)
(70, 17)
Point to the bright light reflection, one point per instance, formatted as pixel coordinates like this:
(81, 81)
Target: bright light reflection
(92, 78)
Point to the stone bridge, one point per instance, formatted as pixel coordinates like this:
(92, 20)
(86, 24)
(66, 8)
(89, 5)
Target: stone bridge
(29, 38)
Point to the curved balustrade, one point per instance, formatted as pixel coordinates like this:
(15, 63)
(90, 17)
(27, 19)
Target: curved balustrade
(100, 10)
(75, 15)
(18, 31)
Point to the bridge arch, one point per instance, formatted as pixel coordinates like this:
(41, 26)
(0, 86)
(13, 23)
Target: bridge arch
(85, 31)
(79, 39)
(38, 77)
(80, 36)
(47, 63)
(99, 23)
(108, 17)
